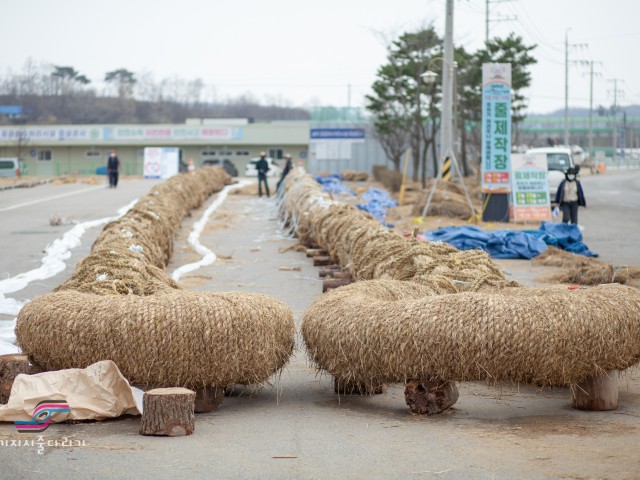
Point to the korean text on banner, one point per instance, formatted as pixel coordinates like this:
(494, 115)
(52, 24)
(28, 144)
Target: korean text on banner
(530, 188)
(496, 127)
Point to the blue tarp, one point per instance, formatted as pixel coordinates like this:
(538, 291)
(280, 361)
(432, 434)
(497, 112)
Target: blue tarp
(376, 203)
(514, 243)
(333, 184)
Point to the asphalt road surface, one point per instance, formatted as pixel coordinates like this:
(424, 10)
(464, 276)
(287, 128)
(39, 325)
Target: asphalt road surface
(503, 431)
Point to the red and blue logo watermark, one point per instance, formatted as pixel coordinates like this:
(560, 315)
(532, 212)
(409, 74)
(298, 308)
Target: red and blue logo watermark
(42, 416)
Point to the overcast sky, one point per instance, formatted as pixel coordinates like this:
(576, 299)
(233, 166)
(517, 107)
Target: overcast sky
(310, 52)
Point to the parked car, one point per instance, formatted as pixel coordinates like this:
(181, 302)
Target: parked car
(228, 166)
(250, 169)
(10, 167)
(559, 160)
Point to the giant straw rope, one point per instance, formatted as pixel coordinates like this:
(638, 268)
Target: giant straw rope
(428, 310)
(121, 305)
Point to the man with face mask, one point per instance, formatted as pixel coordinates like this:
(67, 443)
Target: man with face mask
(262, 166)
(570, 196)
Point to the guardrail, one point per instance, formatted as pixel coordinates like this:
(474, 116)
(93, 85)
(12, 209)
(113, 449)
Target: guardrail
(622, 164)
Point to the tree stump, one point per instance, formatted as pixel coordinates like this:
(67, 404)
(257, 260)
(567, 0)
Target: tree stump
(10, 367)
(330, 283)
(208, 399)
(322, 260)
(342, 275)
(599, 392)
(168, 412)
(328, 271)
(430, 396)
(314, 252)
(352, 388)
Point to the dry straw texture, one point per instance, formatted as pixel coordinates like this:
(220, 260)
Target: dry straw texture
(380, 332)
(120, 305)
(188, 339)
(452, 315)
(586, 270)
(371, 251)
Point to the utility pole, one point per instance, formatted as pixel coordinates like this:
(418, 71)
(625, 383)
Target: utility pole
(447, 97)
(487, 17)
(566, 82)
(591, 73)
(614, 111)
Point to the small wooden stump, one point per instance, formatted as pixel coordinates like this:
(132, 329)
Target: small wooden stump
(328, 271)
(168, 412)
(430, 396)
(321, 261)
(342, 276)
(331, 283)
(353, 388)
(208, 399)
(10, 367)
(599, 392)
(314, 252)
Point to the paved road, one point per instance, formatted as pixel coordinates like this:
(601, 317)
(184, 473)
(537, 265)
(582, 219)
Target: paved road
(504, 432)
(612, 216)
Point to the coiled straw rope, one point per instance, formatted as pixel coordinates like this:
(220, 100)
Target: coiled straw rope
(120, 305)
(428, 310)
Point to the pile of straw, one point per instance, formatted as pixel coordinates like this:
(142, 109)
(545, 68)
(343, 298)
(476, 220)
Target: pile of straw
(586, 270)
(371, 251)
(448, 200)
(120, 305)
(353, 176)
(379, 332)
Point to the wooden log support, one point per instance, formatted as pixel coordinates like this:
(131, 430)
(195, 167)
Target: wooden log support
(599, 392)
(321, 261)
(314, 252)
(331, 283)
(168, 412)
(10, 367)
(328, 271)
(351, 388)
(430, 396)
(342, 276)
(208, 399)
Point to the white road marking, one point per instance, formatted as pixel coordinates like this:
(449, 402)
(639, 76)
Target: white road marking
(53, 197)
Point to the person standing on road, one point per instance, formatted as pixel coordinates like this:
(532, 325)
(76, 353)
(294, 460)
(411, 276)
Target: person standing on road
(262, 167)
(113, 167)
(570, 196)
(285, 170)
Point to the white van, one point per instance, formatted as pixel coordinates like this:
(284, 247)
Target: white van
(9, 167)
(559, 160)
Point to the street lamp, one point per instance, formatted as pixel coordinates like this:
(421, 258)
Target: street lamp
(429, 77)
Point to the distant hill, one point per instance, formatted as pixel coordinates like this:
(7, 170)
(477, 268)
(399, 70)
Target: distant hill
(632, 111)
(87, 108)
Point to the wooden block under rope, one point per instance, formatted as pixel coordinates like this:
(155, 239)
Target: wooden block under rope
(599, 392)
(329, 270)
(430, 396)
(314, 252)
(168, 412)
(321, 261)
(352, 388)
(10, 367)
(342, 275)
(208, 399)
(330, 283)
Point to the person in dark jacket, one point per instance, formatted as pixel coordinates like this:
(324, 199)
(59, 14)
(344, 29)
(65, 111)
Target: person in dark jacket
(262, 167)
(113, 168)
(285, 170)
(570, 196)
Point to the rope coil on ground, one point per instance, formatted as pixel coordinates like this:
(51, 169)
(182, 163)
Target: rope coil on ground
(120, 305)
